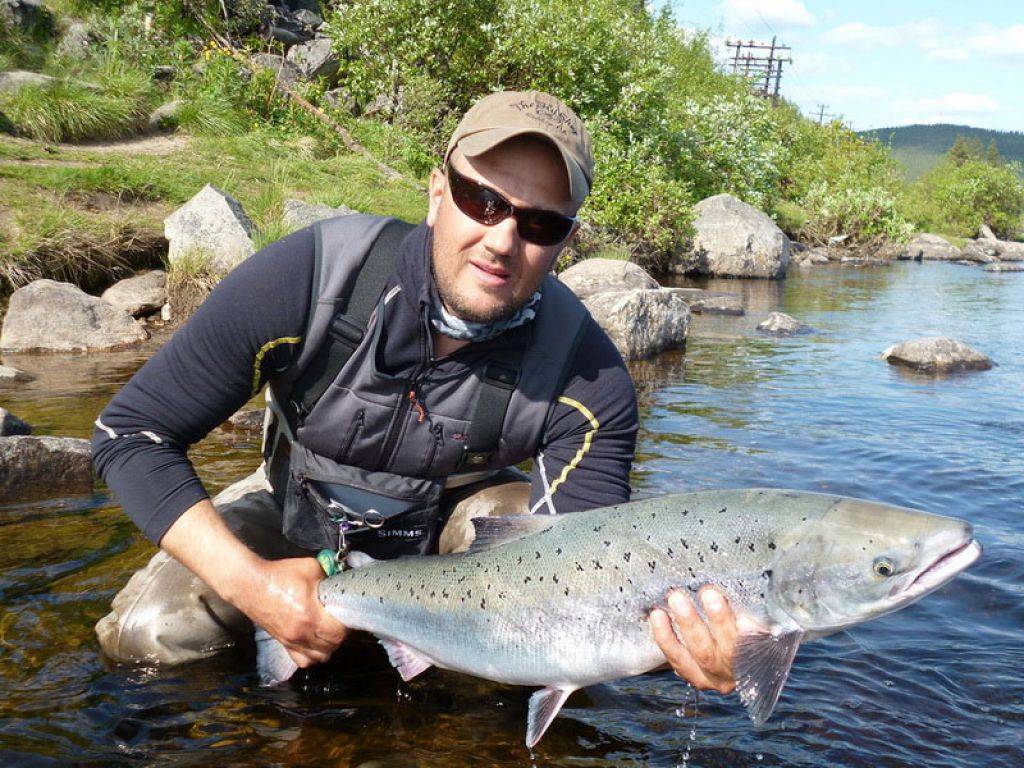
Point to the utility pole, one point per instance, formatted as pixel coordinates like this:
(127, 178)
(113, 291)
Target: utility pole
(764, 71)
(822, 114)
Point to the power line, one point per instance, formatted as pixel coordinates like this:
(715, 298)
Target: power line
(764, 70)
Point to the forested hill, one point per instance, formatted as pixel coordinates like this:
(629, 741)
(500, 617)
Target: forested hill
(919, 147)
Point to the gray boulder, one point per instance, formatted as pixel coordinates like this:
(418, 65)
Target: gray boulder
(1010, 250)
(314, 59)
(811, 257)
(592, 276)
(29, 15)
(212, 225)
(75, 41)
(246, 420)
(1005, 266)
(985, 233)
(641, 323)
(980, 252)
(12, 425)
(166, 117)
(13, 81)
(733, 239)
(703, 302)
(781, 324)
(298, 214)
(285, 71)
(38, 466)
(140, 295)
(342, 98)
(937, 354)
(9, 375)
(929, 247)
(47, 316)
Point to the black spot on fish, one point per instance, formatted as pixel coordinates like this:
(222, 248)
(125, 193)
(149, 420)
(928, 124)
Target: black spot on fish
(380, 600)
(541, 579)
(767, 574)
(432, 593)
(538, 556)
(714, 546)
(607, 543)
(469, 593)
(635, 526)
(652, 565)
(626, 556)
(694, 575)
(669, 552)
(736, 540)
(558, 551)
(501, 595)
(683, 542)
(762, 595)
(462, 578)
(771, 545)
(554, 578)
(686, 512)
(700, 520)
(648, 537)
(597, 528)
(411, 593)
(579, 567)
(566, 591)
(750, 547)
(597, 565)
(803, 519)
(520, 560)
(483, 604)
(621, 589)
(527, 580)
(721, 510)
(700, 556)
(653, 515)
(444, 592)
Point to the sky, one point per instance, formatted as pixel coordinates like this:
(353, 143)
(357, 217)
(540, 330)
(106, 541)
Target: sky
(880, 63)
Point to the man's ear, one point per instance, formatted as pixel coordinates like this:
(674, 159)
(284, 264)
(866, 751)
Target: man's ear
(435, 194)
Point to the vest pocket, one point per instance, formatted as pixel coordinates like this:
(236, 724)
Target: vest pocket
(353, 435)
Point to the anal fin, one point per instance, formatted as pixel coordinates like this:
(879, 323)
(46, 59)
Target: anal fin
(544, 705)
(761, 668)
(408, 661)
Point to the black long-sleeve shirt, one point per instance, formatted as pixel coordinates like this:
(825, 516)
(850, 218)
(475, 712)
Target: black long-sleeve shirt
(251, 327)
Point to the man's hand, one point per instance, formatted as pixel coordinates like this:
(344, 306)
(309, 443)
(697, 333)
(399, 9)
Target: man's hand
(282, 598)
(702, 654)
(278, 595)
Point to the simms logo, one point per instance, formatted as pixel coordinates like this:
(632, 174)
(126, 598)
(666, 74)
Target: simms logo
(547, 113)
(400, 533)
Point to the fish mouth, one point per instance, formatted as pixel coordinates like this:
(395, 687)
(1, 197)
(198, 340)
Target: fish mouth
(944, 568)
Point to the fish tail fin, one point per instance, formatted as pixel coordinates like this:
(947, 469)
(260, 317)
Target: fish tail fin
(544, 705)
(273, 663)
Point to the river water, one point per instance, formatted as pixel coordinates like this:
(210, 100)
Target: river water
(938, 684)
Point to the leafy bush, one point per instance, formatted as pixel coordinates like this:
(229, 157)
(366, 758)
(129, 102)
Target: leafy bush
(861, 213)
(959, 195)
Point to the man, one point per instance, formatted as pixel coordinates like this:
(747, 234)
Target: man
(472, 358)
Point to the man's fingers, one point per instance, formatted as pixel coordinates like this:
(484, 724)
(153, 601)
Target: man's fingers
(693, 632)
(676, 654)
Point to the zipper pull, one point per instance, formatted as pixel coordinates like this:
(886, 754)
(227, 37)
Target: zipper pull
(416, 404)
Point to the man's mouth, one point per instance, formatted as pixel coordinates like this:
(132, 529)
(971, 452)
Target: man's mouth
(490, 274)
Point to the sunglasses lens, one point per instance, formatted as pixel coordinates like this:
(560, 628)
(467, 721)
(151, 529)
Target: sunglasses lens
(543, 227)
(488, 207)
(478, 202)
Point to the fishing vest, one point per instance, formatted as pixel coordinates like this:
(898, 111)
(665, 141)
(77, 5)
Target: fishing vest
(351, 454)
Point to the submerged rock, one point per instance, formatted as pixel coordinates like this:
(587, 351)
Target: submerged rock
(781, 324)
(11, 375)
(250, 420)
(980, 252)
(211, 225)
(937, 354)
(641, 323)
(299, 214)
(12, 425)
(593, 276)
(1005, 266)
(140, 295)
(733, 239)
(703, 302)
(51, 466)
(47, 316)
(929, 247)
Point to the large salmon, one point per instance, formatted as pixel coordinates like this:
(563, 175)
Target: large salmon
(561, 601)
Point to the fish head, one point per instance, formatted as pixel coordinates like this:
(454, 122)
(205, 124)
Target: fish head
(861, 559)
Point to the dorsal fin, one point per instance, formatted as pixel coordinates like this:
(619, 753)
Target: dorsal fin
(493, 531)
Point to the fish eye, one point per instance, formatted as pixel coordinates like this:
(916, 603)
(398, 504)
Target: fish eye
(883, 567)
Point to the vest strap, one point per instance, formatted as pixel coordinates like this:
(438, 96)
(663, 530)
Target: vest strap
(348, 327)
(485, 427)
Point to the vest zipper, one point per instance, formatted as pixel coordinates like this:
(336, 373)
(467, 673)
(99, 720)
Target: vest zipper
(360, 420)
(438, 430)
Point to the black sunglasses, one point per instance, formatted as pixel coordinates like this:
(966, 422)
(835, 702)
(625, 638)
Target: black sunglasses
(487, 207)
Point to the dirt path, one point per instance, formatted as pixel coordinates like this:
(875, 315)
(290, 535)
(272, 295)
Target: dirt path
(143, 145)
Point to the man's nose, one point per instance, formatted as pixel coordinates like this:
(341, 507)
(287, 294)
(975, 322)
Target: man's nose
(502, 239)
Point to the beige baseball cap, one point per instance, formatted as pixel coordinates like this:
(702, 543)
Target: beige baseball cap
(498, 117)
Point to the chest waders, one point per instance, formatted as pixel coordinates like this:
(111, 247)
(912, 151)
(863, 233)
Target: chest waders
(351, 454)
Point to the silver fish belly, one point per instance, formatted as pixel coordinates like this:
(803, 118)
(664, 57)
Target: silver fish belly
(561, 601)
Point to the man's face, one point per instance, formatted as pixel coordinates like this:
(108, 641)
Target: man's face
(485, 273)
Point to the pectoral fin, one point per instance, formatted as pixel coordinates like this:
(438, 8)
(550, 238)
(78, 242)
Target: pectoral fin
(408, 661)
(761, 668)
(544, 705)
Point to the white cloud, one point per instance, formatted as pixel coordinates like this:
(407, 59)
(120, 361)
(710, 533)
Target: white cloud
(997, 43)
(857, 35)
(781, 13)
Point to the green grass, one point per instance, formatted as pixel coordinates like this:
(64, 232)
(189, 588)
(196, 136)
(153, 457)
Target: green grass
(77, 214)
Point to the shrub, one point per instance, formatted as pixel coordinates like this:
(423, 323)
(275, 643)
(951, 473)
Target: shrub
(959, 195)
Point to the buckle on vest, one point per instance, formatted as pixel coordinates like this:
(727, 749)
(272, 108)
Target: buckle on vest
(474, 459)
(501, 376)
(343, 329)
